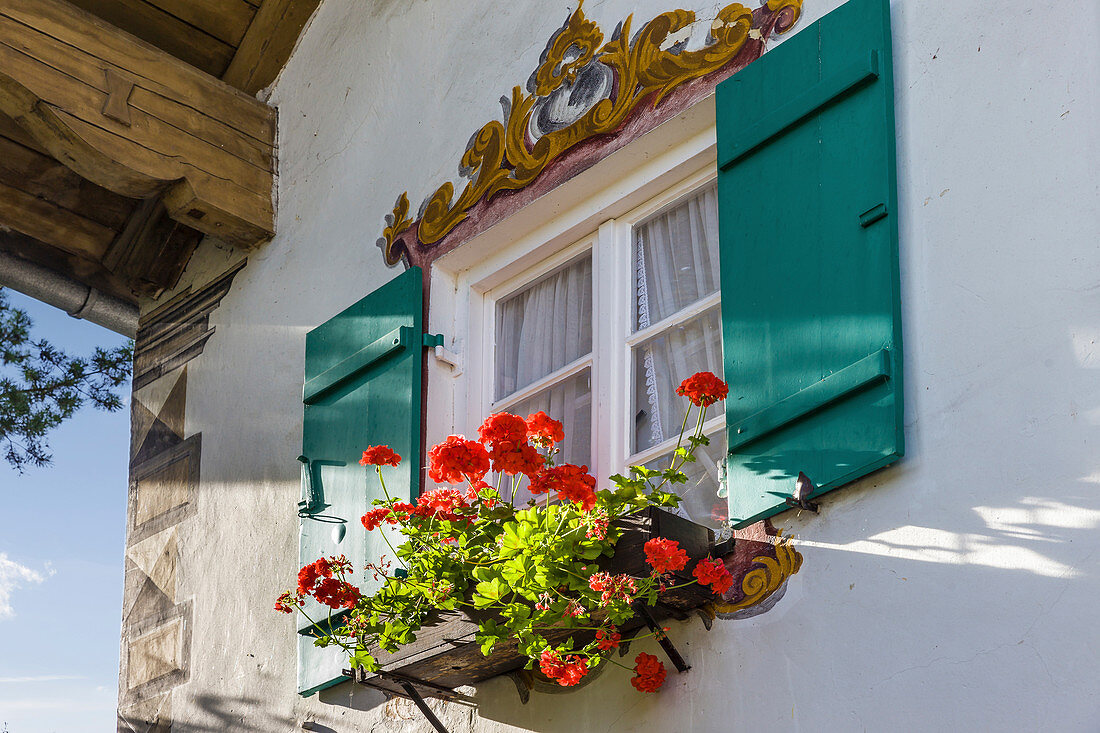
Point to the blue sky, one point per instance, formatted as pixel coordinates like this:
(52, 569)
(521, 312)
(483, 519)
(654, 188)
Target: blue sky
(62, 531)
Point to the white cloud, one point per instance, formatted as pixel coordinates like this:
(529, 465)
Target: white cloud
(44, 678)
(12, 576)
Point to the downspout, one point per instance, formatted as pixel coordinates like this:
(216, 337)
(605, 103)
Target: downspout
(76, 299)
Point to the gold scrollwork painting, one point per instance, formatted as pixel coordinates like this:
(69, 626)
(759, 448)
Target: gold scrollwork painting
(767, 576)
(583, 87)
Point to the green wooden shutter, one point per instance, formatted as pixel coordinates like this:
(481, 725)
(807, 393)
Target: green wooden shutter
(810, 308)
(362, 387)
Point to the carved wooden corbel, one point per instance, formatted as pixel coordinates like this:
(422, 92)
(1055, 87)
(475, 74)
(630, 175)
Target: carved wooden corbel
(137, 121)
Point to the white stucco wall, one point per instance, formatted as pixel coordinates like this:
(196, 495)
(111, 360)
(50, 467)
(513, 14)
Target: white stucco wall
(953, 591)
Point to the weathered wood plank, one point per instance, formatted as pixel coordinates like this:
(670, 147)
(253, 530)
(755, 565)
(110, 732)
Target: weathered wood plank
(238, 215)
(52, 224)
(268, 43)
(151, 68)
(87, 103)
(226, 20)
(136, 121)
(15, 133)
(41, 176)
(152, 249)
(165, 31)
(92, 72)
(168, 153)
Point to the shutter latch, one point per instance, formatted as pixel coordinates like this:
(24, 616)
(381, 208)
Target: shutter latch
(434, 341)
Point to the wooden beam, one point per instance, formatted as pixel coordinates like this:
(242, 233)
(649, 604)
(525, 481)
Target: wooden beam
(52, 224)
(44, 178)
(153, 25)
(152, 250)
(206, 148)
(226, 20)
(268, 43)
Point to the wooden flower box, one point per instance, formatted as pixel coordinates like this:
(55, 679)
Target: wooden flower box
(445, 655)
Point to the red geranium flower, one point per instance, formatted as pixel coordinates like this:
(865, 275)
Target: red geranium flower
(287, 602)
(372, 519)
(443, 502)
(379, 455)
(575, 669)
(567, 672)
(665, 555)
(714, 574)
(543, 429)
(503, 430)
(606, 640)
(649, 673)
(316, 579)
(456, 460)
(703, 389)
(573, 483)
(551, 664)
(309, 575)
(613, 587)
(511, 459)
(337, 593)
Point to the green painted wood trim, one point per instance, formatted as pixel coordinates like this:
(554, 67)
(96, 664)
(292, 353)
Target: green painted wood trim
(369, 355)
(326, 625)
(361, 388)
(805, 105)
(323, 686)
(808, 215)
(864, 373)
(780, 504)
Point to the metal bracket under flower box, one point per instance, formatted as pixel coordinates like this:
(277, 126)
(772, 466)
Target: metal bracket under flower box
(445, 654)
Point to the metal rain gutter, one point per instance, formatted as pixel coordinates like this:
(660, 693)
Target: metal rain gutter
(76, 299)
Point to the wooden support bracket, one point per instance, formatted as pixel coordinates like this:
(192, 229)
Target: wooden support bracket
(139, 122)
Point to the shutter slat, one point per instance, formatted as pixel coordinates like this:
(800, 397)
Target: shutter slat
(798, 109)
(864, 373)
(811, 322)
(329, 380)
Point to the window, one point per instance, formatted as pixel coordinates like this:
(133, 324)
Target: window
(599, 333)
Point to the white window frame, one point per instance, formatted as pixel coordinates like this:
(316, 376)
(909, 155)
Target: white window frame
(595, 209)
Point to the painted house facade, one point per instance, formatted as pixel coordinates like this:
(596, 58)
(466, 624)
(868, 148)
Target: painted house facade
(877, 220)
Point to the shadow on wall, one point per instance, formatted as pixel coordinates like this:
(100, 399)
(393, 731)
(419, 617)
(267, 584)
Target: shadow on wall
(397, 714)
(965, 621)
(218, 714)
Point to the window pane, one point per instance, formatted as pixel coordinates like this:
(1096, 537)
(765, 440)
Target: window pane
(660, 364)
(700, 501)
(569, 401)
(543, 327)
(676, 258)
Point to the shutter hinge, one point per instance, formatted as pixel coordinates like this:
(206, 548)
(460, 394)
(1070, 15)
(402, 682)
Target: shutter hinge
(434, 341)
